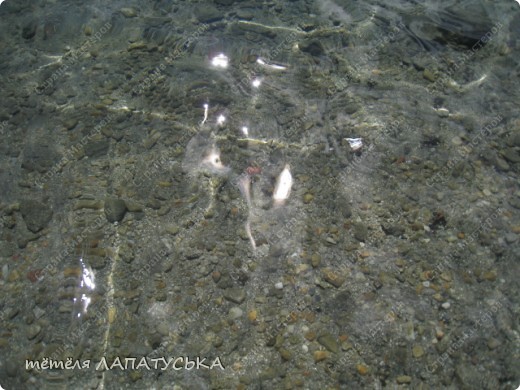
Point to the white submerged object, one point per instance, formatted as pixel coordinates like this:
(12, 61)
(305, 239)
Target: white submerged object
(214, 164)
(355, 143)
(260, 61)
(282, 190)
(220, 61)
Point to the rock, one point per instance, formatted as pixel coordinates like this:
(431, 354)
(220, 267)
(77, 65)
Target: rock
(97, 148)
(11, 368)
(252, 315)
(469, 376)
(39, 157)
(126, 253)
(70, 124)
(307, 198)
(329, 342)
(208, 14)
(515, 202)
(315, 260)
(35, 214)
(360, 232)
(115, 209)
(216, 275)
(429, 75)
(235, 312)
(393, 229)
(33, 330)
(135, 375)
(193, 254)
(403, 379)
(25, 237)
(511, 155)
(493, 343)
(128, 12)
(320, 355)
(285, 354)
(97, 262)
(243, 14)
(88, 204)
(362, 369)
(134, 207)
(314, 48)
(417, 351)
(29, 30)
(502, 164)
(235, 295)
(511, 238)
(333, 277)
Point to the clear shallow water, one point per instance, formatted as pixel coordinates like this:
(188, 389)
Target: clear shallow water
(128, 146)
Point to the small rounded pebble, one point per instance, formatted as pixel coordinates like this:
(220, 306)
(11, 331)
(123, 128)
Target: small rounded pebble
(278, 285)
(362, 369)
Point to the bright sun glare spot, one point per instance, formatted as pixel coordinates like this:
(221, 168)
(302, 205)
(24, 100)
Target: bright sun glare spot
(220, 61)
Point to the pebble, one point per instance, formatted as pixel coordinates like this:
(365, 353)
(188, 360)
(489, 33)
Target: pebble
(404, 379)
(320, 356)
(446, 305)
(333, 278)
(163, 328)
(329, 342)
(252, 315)
(307, 198)
(511, 155)
(285, 354)
(235, 295)
(96, 147)
(511, 238)
(11, 368)
(128, 12)
(278, 285)
(362, 369)
(417, 351)
(502, 164)
(493, 343)
(88, 204)
(115, 209)
(235, 312)
(208, 14)
(33, 331)
(360, 232)
(70, 124)
(315, 260)
(111, 314)
(429, 75)
(35, 214)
